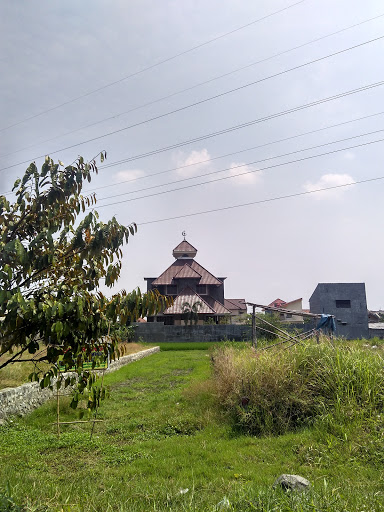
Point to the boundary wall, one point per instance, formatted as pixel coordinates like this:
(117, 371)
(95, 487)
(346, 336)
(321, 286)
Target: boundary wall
(157, 332)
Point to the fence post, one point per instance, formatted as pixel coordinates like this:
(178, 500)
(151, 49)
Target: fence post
(254, 339)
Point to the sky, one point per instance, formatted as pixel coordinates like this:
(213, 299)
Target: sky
(161, 74)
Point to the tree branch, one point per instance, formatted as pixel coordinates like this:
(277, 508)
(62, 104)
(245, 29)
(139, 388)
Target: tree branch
(9, 361)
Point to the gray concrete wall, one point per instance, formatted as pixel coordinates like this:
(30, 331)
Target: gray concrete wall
(24, 399)
(157, 332)
(351, 323)
(376, 333)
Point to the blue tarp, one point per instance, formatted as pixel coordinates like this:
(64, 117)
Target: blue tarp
(327, 322)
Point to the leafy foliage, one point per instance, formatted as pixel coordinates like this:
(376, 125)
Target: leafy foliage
(265, 331)
(53, 253)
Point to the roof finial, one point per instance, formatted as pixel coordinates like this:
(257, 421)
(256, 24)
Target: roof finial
(184, 234)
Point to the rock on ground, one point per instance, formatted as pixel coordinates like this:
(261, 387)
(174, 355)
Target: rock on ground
(292, 483)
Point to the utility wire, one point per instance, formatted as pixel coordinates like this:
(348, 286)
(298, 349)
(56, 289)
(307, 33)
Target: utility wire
(233, 153)
(115, 116)
(240, 174)
(151, 175)
(239, 166)
(152, 66)
(244, 125)
(196, 103)
(261, 201)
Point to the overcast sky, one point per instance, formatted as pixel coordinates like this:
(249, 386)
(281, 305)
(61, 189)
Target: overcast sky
(53, 52)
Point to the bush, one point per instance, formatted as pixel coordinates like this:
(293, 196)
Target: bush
(275, 391)
(124, 333)
(265, 331)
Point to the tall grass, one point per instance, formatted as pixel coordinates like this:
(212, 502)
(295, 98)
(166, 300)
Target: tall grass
(272, 392)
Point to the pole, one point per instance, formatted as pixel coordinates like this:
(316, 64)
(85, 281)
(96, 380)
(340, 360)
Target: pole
(58, 410)
(254, 339)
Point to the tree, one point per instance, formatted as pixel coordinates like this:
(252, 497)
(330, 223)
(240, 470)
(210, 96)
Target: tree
(190, 311)
(51, 263)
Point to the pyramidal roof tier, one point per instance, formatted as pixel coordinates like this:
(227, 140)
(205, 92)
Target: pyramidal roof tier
(191, 297)
(188, 269)
(187, 272)
(184, 250)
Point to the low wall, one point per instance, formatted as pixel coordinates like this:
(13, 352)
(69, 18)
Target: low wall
(157, 332)
(24, 399)
(376, 333)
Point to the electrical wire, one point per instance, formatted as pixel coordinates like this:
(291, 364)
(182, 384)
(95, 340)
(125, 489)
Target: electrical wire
(239, 166)
(237, 175)
(152, 66)
(115, 116)
(209, 160)
(244, 125)
(213, 134)
(261, 201)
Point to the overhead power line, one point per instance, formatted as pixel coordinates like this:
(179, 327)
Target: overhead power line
(239, 166)
(224, 75)
(243, 125)
(158, 173)
(240, 174)
(231, 128)
(152, 66)
(261, 201)
(180, 167)
(120, 130)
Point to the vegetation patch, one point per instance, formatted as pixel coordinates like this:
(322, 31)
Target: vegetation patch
(277, 391)
(172, 448)
(17, 373)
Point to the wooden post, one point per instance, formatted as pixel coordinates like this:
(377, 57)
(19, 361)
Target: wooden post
(58, 410)
(254, 338)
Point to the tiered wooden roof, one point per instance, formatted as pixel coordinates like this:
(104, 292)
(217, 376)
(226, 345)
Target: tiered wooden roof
(188, 268)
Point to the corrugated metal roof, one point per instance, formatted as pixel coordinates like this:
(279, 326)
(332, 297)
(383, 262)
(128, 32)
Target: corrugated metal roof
(185, 246)
(188, 295)
(206, 277)
(234, 304)
(218, 308)
(168, 275)
(187, 272)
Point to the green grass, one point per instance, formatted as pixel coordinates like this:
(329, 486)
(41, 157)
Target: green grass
(197, 345)
(164, 433)
(17, 373)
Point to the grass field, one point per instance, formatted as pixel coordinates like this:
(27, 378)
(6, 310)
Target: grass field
(16, 374)
(202, 345)
(165, 445)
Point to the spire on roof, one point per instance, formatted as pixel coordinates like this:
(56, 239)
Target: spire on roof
(184, 250)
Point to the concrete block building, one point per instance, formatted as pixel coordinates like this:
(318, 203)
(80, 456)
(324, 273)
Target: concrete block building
(348, 303)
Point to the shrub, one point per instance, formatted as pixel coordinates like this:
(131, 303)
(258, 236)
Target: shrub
(124, 333)
(280, 390)
(265, 331)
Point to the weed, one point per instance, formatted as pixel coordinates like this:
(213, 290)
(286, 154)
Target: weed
(272, 392)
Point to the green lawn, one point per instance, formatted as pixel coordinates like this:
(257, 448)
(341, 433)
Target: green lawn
(165, 446)
(16, 373)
